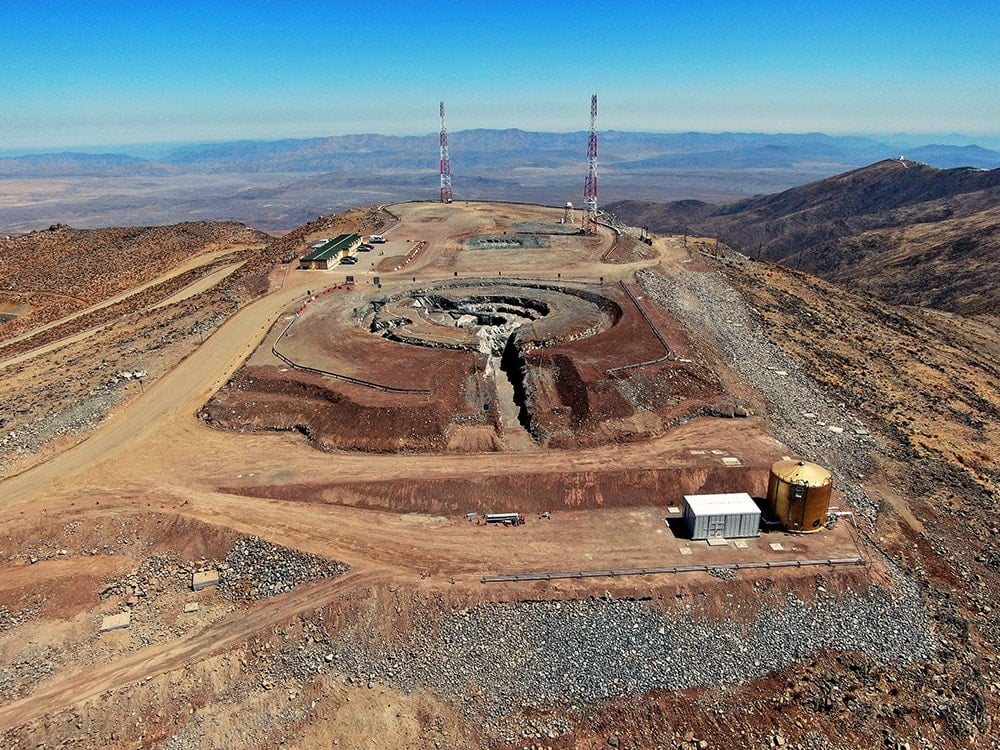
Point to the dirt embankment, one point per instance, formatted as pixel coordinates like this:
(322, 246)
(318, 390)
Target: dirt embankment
(622, 383)
(531, 493)
(263, 399)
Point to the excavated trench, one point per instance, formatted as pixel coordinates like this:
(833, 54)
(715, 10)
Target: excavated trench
(451, 314)
(481, 312)
(515, 369)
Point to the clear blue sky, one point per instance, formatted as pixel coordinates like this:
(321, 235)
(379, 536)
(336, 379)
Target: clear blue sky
(89, 73)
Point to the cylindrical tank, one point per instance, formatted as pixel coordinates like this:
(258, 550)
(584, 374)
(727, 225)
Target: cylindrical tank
(798, 495)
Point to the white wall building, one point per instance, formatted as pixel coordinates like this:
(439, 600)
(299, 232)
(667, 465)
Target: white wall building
(730, 516)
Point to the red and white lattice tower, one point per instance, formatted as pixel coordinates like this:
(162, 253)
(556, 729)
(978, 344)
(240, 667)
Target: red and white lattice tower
(590, 189)
(445, 163)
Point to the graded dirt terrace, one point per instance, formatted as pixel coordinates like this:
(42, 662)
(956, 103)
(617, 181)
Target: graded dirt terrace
(235, 442)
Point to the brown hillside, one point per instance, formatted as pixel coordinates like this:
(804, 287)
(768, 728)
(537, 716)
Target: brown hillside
(56, 272)
(905, 232)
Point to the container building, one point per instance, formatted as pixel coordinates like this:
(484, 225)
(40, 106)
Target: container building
(728, 516)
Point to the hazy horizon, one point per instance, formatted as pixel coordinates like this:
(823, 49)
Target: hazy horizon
(155, 150)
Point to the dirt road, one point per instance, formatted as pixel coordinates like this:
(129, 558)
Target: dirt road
(221, 635)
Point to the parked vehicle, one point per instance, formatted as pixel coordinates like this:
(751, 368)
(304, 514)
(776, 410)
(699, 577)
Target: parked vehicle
(376, 238)
(350, 260)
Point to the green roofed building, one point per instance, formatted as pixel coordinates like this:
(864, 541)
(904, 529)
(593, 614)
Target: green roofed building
(329, 253)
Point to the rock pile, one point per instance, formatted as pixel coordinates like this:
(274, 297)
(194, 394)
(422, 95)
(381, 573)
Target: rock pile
(156, 574)
(256, 569)
(253, 569)
(82, 414)
(496, 659)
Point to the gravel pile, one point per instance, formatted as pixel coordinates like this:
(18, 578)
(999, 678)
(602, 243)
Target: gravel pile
(83, 413)
(494, 659)
(11, 618)
(802, 416)
(256, 569)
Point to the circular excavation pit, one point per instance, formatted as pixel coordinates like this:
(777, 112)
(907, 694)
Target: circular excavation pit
(469, 365)
(483, 316)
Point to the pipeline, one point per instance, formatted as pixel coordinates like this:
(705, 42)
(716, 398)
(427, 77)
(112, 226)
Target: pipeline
(515, 577)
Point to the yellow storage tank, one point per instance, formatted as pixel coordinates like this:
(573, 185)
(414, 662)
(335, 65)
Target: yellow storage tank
(798, 495)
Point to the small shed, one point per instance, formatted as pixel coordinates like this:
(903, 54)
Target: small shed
(730, 516)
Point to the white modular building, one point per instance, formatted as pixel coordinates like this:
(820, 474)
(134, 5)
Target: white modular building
(730, 516)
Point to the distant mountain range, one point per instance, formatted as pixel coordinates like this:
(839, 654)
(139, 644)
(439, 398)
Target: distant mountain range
(473, 151)
(279, 185)
(897, 229)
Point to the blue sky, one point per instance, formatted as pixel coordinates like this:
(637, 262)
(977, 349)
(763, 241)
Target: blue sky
(100, 73)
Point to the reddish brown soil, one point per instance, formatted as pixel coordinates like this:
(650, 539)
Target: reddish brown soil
(264, 398)
(155, 480)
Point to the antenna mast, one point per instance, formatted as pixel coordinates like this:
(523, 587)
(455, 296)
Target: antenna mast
(445, 163)
(590, 189)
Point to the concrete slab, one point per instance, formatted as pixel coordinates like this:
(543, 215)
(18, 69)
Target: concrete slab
(740, 544)
(717, 541)
(731, 461)
(685, 550)
(203, 579)
(190, 607)
(776, 546)
(116, 622)
(674, 510)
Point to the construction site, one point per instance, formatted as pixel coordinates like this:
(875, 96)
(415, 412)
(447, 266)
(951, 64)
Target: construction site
(515, 472)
